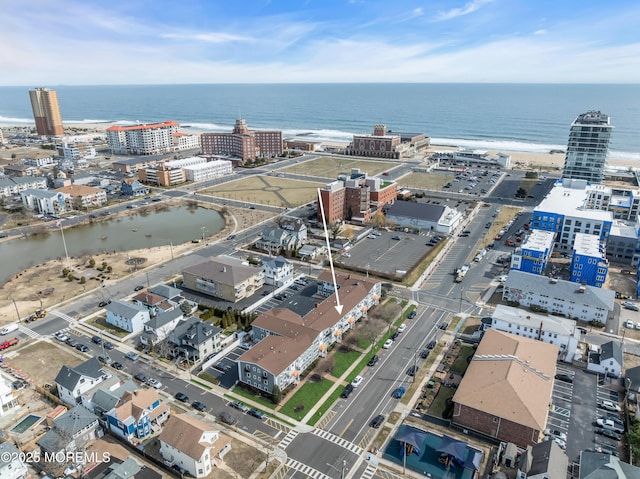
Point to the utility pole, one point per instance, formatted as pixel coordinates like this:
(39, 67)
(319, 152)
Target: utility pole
(461, 291)
(16, 306)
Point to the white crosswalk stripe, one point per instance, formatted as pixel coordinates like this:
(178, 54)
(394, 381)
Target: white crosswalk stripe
(29, 332)
(369, 472)
(308, 470)
(338, 440)
(287, 439)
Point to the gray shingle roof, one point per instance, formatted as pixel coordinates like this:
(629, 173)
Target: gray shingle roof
(423, 211)
(197, 330)
(69, 376)
(277, 262)
(75, 420)
(7, 450)
(124, 309)
(40, 193)
(594, 465)
(545, 457)
(164, 318)
(165, 291)
(223, 271)
(611, 350)
(566, 290)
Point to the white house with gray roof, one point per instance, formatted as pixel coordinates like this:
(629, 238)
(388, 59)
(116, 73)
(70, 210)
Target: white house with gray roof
(551, 329)
(194, 339)
(277, 271)
(608, 360)
(75, 382)
(71, 431)
(127, 316)
(545, 460)
(11, 465)
(159, 327)
(586, 303)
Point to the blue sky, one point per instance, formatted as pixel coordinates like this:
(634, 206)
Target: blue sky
(80, 42)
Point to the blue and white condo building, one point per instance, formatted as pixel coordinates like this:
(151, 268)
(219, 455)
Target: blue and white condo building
(588, 263)
(587, 147)
(532, 256)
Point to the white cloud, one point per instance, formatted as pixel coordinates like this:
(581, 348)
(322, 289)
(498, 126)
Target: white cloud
(207, 37)
(542, 31)
(468, 8)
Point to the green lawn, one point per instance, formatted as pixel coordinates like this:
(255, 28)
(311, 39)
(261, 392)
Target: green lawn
(260, 400)
(307, 396)
(439, 404)
(342, 361)
(460, 364)
(325, 407)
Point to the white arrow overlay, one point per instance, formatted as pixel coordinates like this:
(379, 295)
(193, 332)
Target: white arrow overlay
(338, 306)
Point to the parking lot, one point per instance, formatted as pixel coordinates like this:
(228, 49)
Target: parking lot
(226, 369)
(574, 410)
(384, 254)
(297, 297)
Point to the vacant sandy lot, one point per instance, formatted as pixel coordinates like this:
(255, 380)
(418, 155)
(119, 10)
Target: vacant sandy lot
(42, 360)
(329, 167)
(268, 190)
(427, 181)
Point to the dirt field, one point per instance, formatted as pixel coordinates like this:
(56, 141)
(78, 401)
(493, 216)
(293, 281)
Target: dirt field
(506, 214)
(427, 181)
(328, 167)
(268, 190)
(42, 360)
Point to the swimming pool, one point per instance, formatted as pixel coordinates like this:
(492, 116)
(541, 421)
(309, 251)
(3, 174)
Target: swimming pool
(428, 462)
(26, 424)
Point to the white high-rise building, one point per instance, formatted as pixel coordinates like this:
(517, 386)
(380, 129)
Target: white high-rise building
(149, 139)
(587, 148)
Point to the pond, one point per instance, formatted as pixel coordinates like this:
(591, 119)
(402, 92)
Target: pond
(148, 230)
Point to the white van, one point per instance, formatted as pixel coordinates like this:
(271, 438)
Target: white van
(9, 328)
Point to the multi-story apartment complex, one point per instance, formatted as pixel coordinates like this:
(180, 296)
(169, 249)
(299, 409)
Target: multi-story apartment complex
(534, 253)
(587, 148)
(83, 197)
(566, 212)
(588, 263)
(150, 139)
(243, 144)
(45, 202)
(209, 170)
(185, 141)
(384, 144)
(356, 197)
(223, 278)
(174, 172)
(46, 112)
(75, 155)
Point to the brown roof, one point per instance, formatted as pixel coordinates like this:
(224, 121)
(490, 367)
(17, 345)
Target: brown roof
(148, 298)
(223, 271)
(78, 190)
(134, 403)
(325, 315)
(184, 432)
(142, 127)
(277, 353)
(510, 377)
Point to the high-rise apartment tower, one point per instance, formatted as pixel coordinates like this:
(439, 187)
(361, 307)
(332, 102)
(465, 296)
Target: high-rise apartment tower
(587, 149)
(46, 112)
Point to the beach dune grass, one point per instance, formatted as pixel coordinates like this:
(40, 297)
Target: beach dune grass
(268, 190)
(330, 167)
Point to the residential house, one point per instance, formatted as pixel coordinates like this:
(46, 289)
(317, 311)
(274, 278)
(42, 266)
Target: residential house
(192, 445)
(16, 185)
(289, 235)
(104, 400)
(45, 202)
(223, 278)
(154, 303)
(11, 463)
(136, 413)
(20, 169)
(609, 360)
(288, 343)
(168, 292)
(556, 296)
(127, 316)
(424, 216)
(277, 271)
(132, 187)
(309, 251)
(8, 400)
(83, 197)
(506, 391)
(595, 465)
(545, 460)
(115, 468)
(75, 383)
(158, 327)
(71, 431)
(194, 339)
(550, 329)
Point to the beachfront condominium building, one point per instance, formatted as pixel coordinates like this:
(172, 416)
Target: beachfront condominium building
(587, 148)
(46, 112)
(356, 197)
(151, 139)
(385, 144)
(242, 144)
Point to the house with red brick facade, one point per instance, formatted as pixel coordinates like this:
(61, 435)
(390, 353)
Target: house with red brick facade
(506, 391)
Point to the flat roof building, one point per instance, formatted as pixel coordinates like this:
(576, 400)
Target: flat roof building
(534, 253)
(149, 139)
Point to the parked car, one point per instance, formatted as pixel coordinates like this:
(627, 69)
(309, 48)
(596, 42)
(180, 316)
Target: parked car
(413, 370)
(402, 328)
(138, 288)
(425, 353)
(395, 335)
(257, 413)
(412, 314)
(182, 397)
(567, 378)
(608, 423)
(444, 325)
(610, 433)
(377, 421)
(81, 347)
(60, 336)
(108, 345)
(630, 305)
(356, 381)
(348, 389)
(240, 406)
(397, 238)
(117, 365)
(387, 344)
(71, 342)
(432, 344)
(154, 383)
(131, 356)
(373, 360)
(608, 405)
(102, 304)
(227, 418)
(399, 392)
(140, 377)
(197, 405)
(555, 433)
(105, 359)
(96, 340)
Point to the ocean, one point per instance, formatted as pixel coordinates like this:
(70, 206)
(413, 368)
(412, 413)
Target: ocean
(515, 117)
